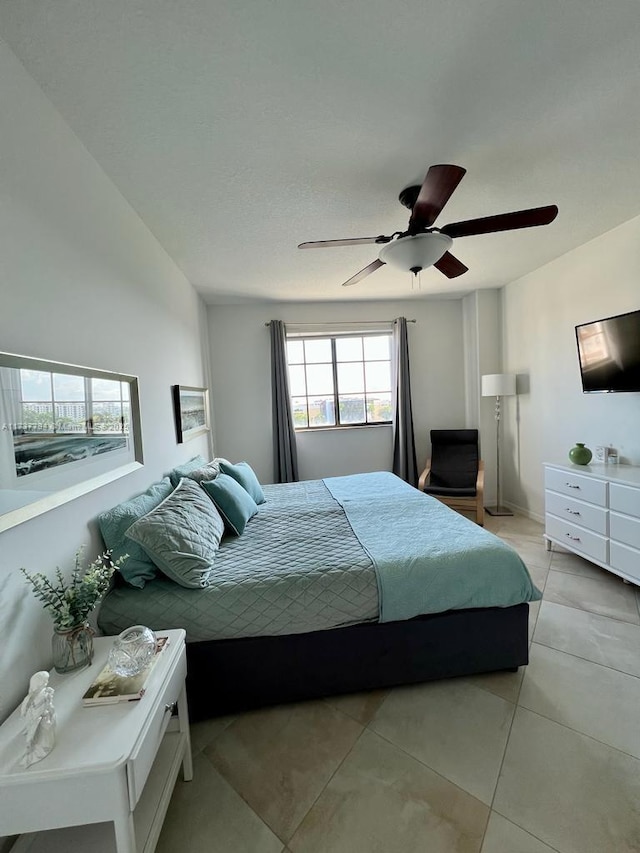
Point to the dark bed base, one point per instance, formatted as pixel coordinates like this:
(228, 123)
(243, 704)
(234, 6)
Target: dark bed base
(225, 676)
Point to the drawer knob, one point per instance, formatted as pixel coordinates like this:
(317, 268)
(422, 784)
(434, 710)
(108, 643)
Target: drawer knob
(571, 486)
(172, 707)
(572, 511)
(574, 538)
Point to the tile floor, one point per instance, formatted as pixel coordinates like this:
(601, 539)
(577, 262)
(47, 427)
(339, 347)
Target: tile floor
(545, 759)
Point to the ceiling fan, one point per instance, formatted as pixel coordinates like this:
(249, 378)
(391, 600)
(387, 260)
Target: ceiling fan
(423, 245)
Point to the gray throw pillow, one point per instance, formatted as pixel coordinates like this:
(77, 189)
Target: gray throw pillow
(176, 474)
(181, 535)
(207, 472)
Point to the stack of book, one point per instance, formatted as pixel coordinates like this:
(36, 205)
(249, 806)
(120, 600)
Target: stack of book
(109, 687)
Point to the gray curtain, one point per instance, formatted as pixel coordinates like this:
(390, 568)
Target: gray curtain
(285, 455)
(404, 446)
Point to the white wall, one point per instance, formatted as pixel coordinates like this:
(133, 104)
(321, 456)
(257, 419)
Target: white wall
(83, 281)
(241, 383)
(483, 354)
(551, 413)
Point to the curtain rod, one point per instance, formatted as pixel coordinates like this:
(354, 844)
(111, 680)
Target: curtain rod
(345, 323)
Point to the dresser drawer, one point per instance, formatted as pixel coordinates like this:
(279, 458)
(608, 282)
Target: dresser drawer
(625, 559)
(576, 486)
(625, 529)
(578, 512)
(577, 538)
(624, 499)
(144, 754)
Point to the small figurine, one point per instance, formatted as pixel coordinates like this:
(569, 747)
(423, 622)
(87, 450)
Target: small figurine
(40, 718)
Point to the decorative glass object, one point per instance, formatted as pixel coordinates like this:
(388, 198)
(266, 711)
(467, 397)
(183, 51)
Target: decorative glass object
(132, 650)
(580, 455)
(72, 648)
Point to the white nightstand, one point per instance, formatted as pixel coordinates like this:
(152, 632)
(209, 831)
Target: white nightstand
(112, 771)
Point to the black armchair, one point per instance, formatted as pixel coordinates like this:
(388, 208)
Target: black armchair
(455, 473)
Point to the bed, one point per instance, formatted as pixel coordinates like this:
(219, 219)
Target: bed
(340, 585)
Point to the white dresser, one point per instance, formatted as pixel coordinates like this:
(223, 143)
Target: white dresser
(594, 511)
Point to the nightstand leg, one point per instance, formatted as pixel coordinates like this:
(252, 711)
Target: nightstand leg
(125, 834)
(183, 716)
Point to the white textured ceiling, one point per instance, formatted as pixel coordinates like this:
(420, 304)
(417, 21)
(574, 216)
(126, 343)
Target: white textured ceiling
(239, 128)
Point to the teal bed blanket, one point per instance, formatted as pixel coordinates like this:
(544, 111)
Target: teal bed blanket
(427, 558)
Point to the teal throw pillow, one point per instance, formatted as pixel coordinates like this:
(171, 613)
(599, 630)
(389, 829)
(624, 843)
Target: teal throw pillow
(185, 469)
(234, 503)
(181, 535)
(114, 523)
(245, 475)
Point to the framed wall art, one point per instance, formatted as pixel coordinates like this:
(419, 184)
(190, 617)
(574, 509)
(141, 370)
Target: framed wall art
(64, 430)
(190, 407)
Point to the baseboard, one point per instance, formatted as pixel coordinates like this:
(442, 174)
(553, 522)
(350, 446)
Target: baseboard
(534, 516)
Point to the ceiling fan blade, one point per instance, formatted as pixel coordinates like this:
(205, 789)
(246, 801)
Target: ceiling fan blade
(450, 266)
(354, 241)
(502, 222)
(373, 266)
(436, 190)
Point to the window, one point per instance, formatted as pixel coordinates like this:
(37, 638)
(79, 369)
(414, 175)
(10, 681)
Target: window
(340, 380)
(65, 403)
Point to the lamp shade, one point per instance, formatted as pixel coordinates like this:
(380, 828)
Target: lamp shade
(498, 384)
(417, 251)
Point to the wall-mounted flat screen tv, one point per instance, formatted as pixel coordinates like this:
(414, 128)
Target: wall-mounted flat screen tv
(609, 353)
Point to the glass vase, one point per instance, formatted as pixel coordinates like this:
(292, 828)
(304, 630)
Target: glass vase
(72, 648)
(132, 651)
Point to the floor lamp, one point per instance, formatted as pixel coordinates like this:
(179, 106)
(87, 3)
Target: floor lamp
(498, 385)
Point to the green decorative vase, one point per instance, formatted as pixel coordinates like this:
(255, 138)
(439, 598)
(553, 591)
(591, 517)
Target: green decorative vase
(580, 455)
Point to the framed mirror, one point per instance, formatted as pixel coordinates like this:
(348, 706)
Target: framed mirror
(64, 431)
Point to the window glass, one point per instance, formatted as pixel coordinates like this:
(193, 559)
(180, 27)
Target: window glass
(319, 379)
(350, 378)
(297, 380)
(379, 408)
(71, 417)
(105, 389)
(377, 347)
(349, 349)
(317, 350)
(322, 411)
(340, 381)
(66, 387)
(37, 417)
(378, 375)
(107, 417)
(295, 352)
(36, 385)
(352, 409)
(299, 411)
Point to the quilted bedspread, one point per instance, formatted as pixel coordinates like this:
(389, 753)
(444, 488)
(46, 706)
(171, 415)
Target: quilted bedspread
(428, 559)
(326, 554)
(298, 567)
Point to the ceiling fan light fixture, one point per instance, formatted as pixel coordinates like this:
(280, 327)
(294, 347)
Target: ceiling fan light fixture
(416, 251)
